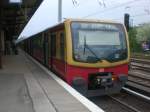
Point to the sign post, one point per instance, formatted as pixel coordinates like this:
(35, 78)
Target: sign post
(59, 10)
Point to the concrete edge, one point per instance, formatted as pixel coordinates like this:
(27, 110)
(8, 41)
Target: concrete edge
(87, 103)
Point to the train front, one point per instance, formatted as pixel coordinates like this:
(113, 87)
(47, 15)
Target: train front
(97, 57)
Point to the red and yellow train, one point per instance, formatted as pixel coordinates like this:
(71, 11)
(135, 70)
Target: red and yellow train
(90, 55)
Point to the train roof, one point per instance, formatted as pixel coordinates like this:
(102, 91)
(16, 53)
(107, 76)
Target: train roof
(84, 20)
(91, 20)
(79, 20)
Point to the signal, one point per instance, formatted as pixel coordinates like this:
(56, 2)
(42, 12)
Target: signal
(126, 21)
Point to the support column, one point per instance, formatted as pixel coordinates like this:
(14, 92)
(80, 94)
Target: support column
(2, 46)
(0, 39)
(0, 50)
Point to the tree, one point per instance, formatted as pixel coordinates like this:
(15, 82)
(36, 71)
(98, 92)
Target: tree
(134, 45)
(143, 33)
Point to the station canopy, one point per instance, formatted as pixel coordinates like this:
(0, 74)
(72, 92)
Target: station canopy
(40, 21)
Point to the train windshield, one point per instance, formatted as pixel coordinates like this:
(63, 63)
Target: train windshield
(93, 42)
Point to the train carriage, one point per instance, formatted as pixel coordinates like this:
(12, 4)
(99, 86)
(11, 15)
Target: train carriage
(90, 55)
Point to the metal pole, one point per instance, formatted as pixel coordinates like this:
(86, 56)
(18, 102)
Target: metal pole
(59, 10)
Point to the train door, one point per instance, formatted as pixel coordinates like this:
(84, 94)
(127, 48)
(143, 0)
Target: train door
(46, 49)
(49, 50)
(62, 61)
(52, 49)
(31, 46)
(58, 53)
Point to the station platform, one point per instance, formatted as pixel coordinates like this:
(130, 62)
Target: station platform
(26, 87)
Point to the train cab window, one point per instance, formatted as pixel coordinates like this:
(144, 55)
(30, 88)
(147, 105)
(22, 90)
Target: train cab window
(99, 41)
(62, 45)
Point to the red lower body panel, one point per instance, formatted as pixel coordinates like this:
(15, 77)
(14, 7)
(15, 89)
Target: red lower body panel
(59, 67)
(38, 55)
(71, 74)
(68, 72)
(73, 71)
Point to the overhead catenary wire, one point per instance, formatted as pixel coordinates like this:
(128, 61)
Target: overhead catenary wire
(101, 3)
(75, 2)
(113, 7)
(138, 15)
(133, 16)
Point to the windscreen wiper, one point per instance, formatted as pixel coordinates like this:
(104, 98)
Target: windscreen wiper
(87, 46)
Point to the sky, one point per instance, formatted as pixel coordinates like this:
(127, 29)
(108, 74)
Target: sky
(47, 14)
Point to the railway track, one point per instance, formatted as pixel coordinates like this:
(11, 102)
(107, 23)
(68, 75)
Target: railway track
(127, 101)
(145, 61)
(131, 108)
(123, 102)
(143, 81)
(139, 76)
(132, 98)
(140, 64)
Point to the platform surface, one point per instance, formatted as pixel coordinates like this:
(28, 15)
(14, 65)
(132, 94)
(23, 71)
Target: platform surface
(25, 87)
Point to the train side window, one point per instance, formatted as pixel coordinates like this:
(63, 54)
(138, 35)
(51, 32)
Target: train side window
(62, 45)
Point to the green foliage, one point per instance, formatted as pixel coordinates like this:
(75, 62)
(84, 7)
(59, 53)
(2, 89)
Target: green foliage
(134, 45)
(137, 35)
(143, 33)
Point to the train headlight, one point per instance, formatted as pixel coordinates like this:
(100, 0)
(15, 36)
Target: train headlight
(113, 79)
(98, 81)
